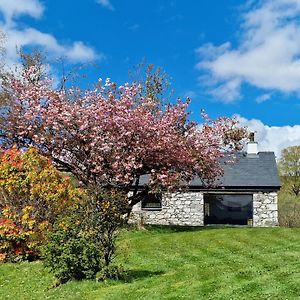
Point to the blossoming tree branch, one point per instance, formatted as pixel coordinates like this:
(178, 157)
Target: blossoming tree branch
(111, 135)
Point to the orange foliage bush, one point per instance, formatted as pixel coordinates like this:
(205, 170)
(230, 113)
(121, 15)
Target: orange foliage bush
(33, 194)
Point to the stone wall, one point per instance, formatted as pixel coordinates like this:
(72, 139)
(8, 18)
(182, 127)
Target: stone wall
(177, 209)
(188, 209)
(265, 209)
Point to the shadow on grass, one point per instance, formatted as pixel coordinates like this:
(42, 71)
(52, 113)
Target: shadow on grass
(127, 276)
(173, 228)
(133, 275)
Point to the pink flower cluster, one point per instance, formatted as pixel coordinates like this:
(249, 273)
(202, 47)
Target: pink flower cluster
(111, 135)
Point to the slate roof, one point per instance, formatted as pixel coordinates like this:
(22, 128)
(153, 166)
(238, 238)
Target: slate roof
(247, 172)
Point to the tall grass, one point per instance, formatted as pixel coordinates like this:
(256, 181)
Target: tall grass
(288, 209)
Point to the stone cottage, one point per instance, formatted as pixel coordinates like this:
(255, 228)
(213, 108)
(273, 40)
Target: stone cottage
(245, 195)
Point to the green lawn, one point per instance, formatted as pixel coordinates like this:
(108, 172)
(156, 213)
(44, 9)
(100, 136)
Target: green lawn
(223, 263)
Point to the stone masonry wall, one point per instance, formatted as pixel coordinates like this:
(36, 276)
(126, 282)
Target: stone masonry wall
(177, 209)
(188, 209)
(265, 209)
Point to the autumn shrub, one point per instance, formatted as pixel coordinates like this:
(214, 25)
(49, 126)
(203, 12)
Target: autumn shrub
(84, 245)
(18, 239)
(33, 193)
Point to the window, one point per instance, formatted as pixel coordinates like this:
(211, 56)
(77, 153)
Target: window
(236, 209)
(152, 202)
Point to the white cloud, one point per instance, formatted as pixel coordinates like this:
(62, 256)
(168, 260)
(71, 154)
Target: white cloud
(134, 27)
(18, 36)
(262, 98)
(267, 54)
(79, 51)
(272, 138)
(75, 52)
(106, 3)
(230, 88)
(14, 8)
(190, 94)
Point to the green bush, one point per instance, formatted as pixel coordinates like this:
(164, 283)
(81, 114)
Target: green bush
(111, 272)
(289, 210)
(103, 218)
(84, 244)
(71, 253)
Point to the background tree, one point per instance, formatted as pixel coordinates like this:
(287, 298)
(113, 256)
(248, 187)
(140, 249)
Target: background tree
(289, 168)
(154, 82)
(3, 95)
(2, 49)
(34, 59)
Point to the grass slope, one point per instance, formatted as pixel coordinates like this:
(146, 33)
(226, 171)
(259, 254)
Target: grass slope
(223, 263)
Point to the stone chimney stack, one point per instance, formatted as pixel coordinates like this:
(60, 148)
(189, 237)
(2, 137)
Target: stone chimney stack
(252, 146)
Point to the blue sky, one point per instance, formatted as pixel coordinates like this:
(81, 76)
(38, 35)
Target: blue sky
(231, 57)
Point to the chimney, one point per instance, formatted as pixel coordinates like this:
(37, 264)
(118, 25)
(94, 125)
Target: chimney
(252, 146)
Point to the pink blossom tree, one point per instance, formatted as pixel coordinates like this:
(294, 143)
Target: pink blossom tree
(111, 135)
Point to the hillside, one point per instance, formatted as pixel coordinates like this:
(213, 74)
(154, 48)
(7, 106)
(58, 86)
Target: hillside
(216, 263)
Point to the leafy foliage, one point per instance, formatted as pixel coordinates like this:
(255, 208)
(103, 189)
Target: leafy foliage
(115, 272)
(70, 252)
(154, 82)
(27, 178)
(288, 209)
(289, 168)
(103, 218)
(83, 245)
(289, 195)
(17, 235)
(32, 195)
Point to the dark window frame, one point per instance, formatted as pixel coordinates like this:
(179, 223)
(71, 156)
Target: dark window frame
(229, 209)
(153, 201)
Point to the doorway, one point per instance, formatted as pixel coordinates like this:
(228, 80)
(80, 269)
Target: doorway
(231, 209)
